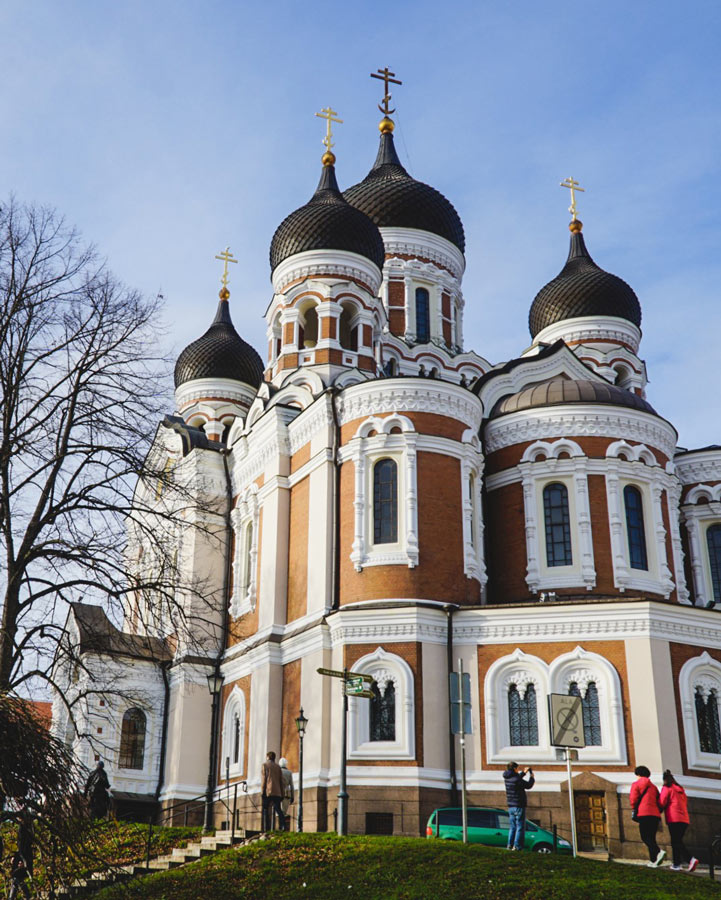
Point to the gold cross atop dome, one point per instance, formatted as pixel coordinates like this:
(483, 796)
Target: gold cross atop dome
(387, 77)
(573, 186)
(329, 115)
(225, 257)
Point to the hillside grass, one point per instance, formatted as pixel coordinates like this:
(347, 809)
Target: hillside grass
(327, 867)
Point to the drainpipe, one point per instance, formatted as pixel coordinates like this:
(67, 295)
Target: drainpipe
(451, 737)
(164, 666)
(215, 710)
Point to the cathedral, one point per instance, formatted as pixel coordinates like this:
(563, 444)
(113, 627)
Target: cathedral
(381, 499)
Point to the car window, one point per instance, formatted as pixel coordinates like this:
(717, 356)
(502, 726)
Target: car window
(531, 827)
(482, 818)
(504, 820)
(450, 817)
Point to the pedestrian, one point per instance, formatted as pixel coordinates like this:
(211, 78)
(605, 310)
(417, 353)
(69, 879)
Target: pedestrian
(517, 783)
(288, 792)
(646, 811)
(271, 780)
(674, 804)
(97, 789)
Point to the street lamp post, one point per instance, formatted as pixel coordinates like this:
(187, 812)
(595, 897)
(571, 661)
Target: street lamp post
(301, 723)
(215, 682)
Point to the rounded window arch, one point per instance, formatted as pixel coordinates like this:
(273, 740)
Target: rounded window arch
(558, 525)
(385, 501)
(635, 530)
(132, 739)
(348, 326)
(233, 747)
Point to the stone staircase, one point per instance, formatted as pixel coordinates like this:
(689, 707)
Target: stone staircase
(180, 856)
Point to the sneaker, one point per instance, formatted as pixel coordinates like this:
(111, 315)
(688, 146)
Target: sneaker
(692, 865)
(675, 868)
(660, 858)
(651, 865)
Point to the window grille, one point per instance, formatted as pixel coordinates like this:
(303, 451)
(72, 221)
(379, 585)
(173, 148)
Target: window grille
(523, 717)
(591, 713)
(383, 713)
(713, 541)
(385, 502)
(558, 529)
(635, 528)
(132, 739)
(707, 720)
(379, 823)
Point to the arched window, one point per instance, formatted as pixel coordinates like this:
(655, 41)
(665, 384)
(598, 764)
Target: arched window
(132, 739)
(385, 502)
(713, 541)
(634, 527)
(591, 713)
(423, 316)
(707, 721)
(523, 716)
(383, 713)
(558, 529)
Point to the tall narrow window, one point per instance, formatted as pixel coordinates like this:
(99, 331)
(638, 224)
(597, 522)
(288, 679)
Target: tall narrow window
(423, 316)
(132, 739)
(591, 713)
(558, 529)
(236, 738)
(713, 541)
(247, 560)
(707, 721)
(523, 717)
(634, 527)
(385, 502)
(383, 713)
(472, 501)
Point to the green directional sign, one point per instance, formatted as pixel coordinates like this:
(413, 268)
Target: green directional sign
(354, 686)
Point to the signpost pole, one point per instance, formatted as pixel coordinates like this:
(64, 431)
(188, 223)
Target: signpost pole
(462, 735)
(571, 803)
(343, 793)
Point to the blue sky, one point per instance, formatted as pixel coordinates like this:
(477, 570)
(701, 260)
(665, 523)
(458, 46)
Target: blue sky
(166, 131)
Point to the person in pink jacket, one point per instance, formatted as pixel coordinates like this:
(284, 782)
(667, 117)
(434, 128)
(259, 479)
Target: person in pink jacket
(644, 802)
(673, 802)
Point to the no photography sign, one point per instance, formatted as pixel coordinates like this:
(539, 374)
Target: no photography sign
(566, 715)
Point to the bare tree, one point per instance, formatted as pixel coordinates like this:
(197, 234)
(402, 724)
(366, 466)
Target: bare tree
(82, 390)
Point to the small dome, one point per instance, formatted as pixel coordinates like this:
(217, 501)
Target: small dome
(561, 391)
(582, 289)
(327, 222)
(391, 198)
(220, 353)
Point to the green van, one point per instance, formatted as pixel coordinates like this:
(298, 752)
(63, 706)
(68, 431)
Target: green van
(488, 826)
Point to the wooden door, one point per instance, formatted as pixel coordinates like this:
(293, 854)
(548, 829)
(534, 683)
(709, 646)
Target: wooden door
(590, 820)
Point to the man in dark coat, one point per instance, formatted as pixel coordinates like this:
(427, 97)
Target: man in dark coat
(516, 786)
(272, 787)
(96, 790)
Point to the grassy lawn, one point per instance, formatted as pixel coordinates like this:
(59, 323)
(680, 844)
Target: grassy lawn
(102, 846)
(326, 867)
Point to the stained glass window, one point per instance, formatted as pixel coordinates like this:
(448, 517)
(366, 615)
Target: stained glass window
(713, 541)
(591, 713)
(558, 529)
(383, 713)
(709, 732)
(132, 740)
(635, 528)
(385, 502)
(423, 318)
(523, 716)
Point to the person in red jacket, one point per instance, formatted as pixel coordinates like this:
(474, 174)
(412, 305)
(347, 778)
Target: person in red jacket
(644, 802)
(673, 802)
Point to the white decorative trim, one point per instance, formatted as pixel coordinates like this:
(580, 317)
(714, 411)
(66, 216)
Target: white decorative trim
(340, 263)
(580, 420)
(698, 518)
(705, 672)
(385, 668)
(306, 426)
(245, 517)
(214, 389)
(474, 565)
(590, 329)
(698, 465)
(416, 242)
(234, 706)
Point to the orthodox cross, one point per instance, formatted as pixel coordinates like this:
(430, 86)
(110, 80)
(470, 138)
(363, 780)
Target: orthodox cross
(573, 187)
(226, 256)
(328, 114)
(387, 77)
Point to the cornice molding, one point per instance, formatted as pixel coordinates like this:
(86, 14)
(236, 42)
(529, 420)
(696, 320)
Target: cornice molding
(415, 242)
(592, 328)
(345, 265)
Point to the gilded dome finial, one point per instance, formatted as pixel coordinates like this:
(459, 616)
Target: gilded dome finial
(576, 225)
(226, 256)
(386, 125)
(328, 158)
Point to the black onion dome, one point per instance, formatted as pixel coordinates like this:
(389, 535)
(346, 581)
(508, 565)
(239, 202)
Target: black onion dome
(562, 391)
(391, 198)
(582, 289)
(327, 222)
(220, 353)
